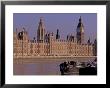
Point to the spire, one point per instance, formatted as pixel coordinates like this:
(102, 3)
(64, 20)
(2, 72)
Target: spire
(80, 20)
(67, 37)
(57, 35)
(41, 19)
(23, 29)
(41, 22)
(80, 24)
(34, 38)
(95, 41)
(57, 31)
(95, 47)
(52, 33)
(89, 41)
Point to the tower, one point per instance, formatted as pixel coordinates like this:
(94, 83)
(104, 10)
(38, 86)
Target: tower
(95, 48)
(57, 35)
(80, 32)
(41, 31)
(89, 41)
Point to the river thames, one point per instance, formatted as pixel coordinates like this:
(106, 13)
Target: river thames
(43, 66)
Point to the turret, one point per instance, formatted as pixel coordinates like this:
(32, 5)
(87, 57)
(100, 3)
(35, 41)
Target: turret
(57, 35)
(89, 41)
(95, 47)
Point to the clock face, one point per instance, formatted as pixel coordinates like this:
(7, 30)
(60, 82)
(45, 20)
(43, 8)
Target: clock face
(82, 30)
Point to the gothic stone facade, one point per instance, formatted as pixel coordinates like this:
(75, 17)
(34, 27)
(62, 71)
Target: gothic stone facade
(50, 44)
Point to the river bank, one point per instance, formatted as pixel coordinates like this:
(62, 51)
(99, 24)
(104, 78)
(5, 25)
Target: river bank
(50, 59)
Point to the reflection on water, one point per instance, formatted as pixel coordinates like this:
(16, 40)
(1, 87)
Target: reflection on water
(40, 67)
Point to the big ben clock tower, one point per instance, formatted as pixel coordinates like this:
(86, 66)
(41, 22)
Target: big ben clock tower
(41, 31)
(80, 32)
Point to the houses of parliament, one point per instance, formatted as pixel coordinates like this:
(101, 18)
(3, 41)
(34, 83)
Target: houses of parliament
(50, 44)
